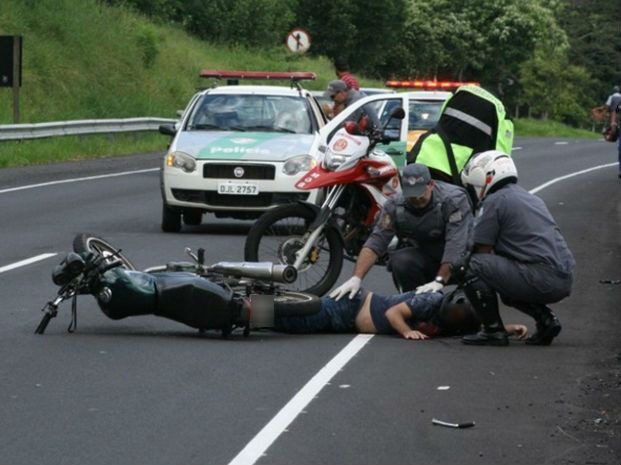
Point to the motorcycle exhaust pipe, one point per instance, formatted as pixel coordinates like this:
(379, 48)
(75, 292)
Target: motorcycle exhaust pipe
(257, 270)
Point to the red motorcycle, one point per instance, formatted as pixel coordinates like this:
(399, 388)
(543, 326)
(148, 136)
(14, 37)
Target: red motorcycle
(356, 179)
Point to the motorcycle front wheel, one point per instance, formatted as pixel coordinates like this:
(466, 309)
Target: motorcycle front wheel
(84, 242)
(278, 234)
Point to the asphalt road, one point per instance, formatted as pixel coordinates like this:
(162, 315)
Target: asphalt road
(149, 391)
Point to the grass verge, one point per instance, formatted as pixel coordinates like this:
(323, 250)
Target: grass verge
(67, 148)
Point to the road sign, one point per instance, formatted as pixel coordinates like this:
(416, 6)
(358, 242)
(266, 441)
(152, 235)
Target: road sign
(298, 40)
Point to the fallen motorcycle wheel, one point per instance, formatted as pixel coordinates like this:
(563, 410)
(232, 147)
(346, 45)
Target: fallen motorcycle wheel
(292, 303)
(84, 243)
(278, 234)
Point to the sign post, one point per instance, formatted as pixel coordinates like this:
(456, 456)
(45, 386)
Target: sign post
(11, 68)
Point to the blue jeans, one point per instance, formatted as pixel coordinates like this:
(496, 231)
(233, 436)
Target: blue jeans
(334, 317)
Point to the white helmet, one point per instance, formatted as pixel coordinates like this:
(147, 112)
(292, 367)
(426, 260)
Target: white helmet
(487, 169)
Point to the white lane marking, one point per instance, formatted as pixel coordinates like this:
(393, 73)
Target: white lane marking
(570, 175)
(561, 142)
(517, 148)
(27, 261)
(256, 448)
(87, 178)
(259, 444)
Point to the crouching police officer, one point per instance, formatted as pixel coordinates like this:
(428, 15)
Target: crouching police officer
(433, 222)
(519, 253)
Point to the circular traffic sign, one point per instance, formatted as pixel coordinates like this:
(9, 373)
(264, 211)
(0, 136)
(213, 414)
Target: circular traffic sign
(298, 40)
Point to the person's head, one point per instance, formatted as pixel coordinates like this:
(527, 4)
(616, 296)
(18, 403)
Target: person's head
(456, 315)
(416, 184)
(615, 90)
(337, 91)
(487, 171)
(341, 65)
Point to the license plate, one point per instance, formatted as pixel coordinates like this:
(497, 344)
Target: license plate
(238, 188)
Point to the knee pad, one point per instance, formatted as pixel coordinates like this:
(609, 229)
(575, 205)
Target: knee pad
(483, 298)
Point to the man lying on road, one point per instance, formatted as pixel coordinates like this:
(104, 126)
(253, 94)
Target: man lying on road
(413, 316)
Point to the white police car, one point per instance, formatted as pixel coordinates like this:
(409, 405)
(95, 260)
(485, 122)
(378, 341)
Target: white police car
(239, 149)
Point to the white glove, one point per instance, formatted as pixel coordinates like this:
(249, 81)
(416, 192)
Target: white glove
(351, 287)
(433, 286)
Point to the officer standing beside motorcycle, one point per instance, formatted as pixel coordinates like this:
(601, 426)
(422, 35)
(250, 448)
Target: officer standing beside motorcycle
(519, 253)
(432, 221)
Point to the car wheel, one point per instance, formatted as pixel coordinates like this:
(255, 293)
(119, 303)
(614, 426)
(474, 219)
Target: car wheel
(192, 216)
(171, 219)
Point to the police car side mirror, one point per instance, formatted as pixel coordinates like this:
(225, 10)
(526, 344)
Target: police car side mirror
(167, 129)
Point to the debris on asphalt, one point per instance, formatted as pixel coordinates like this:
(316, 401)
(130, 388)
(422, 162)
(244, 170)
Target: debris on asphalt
(610, 281)
(466, 424)
(443, 388)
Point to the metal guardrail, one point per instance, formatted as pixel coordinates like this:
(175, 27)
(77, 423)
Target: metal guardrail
(79, 127)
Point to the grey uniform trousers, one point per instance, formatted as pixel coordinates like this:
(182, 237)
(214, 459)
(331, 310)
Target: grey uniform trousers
(516, 282)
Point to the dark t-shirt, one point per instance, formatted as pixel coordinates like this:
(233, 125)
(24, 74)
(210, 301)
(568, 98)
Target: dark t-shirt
(423, 306)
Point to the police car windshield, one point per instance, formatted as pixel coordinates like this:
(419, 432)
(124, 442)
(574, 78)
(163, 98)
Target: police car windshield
(424, 115)
(270, 113)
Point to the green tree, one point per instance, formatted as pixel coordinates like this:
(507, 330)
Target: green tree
(553, 88)
(592, 27)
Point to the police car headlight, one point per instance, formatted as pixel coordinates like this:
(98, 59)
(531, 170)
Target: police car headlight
(298, 164)
(182, 161)
(332, 161)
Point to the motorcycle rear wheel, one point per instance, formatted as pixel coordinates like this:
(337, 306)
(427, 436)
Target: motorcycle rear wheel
(292, 303)
(275, 237)
(83, 243)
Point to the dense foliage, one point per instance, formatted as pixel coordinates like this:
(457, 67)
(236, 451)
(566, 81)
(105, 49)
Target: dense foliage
(534, 54)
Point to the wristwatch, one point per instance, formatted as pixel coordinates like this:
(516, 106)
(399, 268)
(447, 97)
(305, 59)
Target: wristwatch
(440, 279)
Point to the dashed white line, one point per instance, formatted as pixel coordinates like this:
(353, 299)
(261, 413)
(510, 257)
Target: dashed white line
(517, 148)
(27, 261)
(87, 178)
(561, 142)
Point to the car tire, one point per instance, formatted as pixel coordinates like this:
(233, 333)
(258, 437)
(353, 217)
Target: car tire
(192, 216)
(171, 219)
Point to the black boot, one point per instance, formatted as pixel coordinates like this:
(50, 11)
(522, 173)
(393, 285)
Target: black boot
(548, 327)
(485, 302)
(487, 337)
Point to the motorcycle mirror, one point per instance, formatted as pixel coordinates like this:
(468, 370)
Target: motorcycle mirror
(352, 128)
(398, 113)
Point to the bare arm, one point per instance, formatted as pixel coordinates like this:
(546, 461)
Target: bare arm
(366, 260)
(397, 315)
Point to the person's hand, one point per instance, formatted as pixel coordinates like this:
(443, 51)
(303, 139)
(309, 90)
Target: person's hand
(415, 335)
(433, 286)
(520, 331)
(351, 287)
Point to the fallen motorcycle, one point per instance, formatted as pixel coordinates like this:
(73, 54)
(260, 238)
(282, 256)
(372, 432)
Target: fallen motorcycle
(315, 239)
(224, 296)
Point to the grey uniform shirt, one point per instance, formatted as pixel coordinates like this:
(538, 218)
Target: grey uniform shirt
(519, 226)
(443, 228)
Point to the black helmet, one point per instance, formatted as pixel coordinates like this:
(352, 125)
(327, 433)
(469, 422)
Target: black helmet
(456, 315)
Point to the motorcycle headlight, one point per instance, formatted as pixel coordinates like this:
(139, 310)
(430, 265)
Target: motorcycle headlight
(332, 161)
(182, 161)
(298, 164)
